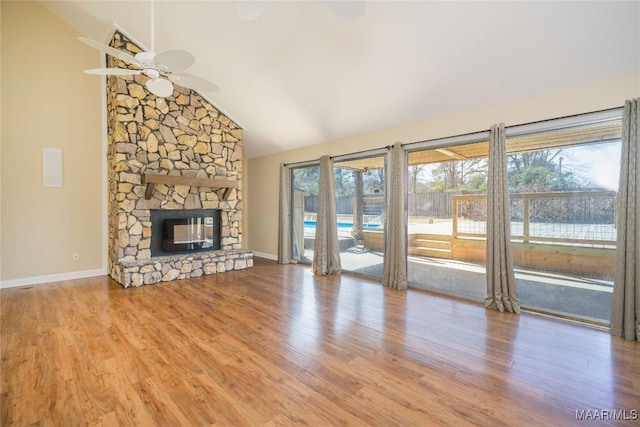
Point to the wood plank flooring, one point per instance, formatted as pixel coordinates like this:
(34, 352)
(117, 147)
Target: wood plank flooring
(276, 346)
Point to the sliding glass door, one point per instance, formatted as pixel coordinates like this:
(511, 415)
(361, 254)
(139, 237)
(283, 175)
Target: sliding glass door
(447, 212)
(304, 210)
(360, 201)
(563, 185)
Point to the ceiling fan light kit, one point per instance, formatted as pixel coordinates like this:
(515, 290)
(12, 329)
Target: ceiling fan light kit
(159, 87)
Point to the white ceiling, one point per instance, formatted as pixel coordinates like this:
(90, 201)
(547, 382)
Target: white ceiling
(300, 74)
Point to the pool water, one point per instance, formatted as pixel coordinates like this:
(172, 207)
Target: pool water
(342, 225)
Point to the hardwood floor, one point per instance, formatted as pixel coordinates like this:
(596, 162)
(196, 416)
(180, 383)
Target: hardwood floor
(274, 345)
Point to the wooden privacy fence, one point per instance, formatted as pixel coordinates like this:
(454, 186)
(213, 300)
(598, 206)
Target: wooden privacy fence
(595, 207)
(433, 205)
(345, 204)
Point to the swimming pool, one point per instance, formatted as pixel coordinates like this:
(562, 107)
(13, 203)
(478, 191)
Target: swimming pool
(342, 225)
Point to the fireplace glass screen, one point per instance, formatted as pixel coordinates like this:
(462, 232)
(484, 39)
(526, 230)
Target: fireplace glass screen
(188, 234)
(182, 231)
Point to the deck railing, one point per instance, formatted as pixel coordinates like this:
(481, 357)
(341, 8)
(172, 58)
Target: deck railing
(584, 218)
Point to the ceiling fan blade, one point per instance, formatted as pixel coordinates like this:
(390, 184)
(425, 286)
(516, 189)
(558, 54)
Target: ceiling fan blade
(173, 60)
(110, 51)
(193, 82)
(113, 71)
(160, 87)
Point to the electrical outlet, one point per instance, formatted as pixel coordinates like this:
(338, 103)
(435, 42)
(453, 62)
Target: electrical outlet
(76, 257)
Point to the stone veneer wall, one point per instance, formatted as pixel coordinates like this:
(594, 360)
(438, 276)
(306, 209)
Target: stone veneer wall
(182, 134)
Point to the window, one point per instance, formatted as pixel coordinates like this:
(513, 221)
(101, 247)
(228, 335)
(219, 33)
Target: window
(563, 184)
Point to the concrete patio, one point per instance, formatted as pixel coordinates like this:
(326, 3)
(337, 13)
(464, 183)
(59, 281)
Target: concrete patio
(564, 294)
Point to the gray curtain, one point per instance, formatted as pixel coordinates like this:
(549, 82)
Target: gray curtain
(284, 217)
(395, 232)
(501, 283)
(326, 251)
(625, 313)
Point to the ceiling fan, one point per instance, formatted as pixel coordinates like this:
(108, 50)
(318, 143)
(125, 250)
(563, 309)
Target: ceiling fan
(163, 69)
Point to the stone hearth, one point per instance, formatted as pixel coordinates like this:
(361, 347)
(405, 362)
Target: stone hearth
(182, 135)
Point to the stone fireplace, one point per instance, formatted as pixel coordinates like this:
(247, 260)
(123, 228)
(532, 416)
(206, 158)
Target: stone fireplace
(167, 157)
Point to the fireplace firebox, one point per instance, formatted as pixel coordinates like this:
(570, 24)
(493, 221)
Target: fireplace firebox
(184, 231)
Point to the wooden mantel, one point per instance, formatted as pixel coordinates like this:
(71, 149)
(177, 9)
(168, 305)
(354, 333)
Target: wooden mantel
(151, 179)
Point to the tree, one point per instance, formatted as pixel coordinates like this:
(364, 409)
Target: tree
(344, 182)
(414, 172)
(373, 181)
(544, 158)
(539, 171)
(538, 178)
(306, 179)
(460, 175)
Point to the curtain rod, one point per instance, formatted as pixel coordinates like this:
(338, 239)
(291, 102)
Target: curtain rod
(566, 117)
(306, 162)
(613, 109)
(461, 135)
(301, 163)
(386, 147)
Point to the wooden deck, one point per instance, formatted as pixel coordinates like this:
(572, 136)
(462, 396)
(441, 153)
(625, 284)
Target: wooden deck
(274, 345)
(545, 255)
(562, 255)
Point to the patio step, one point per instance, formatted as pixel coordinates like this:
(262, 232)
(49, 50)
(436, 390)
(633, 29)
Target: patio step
(431, 244)
(430, 252)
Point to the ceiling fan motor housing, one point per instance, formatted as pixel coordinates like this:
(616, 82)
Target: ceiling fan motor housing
(150, 69)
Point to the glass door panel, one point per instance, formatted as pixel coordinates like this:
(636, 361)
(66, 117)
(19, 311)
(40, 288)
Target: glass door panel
(360, 201)
(563, 187)
(304, 210)
(446, 241)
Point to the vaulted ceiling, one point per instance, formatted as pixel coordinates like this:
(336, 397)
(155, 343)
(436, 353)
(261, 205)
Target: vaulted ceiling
(301, 74)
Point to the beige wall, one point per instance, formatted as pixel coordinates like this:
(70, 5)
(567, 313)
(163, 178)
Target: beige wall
(48, 102)
(262, 172)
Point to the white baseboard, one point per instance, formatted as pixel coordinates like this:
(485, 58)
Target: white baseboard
(36, 280)
(267, 256)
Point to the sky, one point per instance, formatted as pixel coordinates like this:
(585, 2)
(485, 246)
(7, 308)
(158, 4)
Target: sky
(598, 162)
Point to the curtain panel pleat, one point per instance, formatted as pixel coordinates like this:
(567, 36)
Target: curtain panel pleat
(395, 233)
(501, 283)
(326, 251)
(625, 313)
(284, 216)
